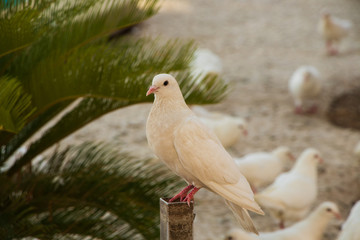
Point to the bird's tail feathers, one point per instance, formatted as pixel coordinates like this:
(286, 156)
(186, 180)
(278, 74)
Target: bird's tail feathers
(235, 194)
(243, 217)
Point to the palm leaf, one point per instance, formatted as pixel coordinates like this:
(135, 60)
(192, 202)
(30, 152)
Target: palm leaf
(15, 105)
(90, 189)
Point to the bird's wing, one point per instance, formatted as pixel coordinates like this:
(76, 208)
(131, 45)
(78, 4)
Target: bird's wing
(203, 156)
(287, 192)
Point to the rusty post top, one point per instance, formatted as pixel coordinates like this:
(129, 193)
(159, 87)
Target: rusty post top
(176, 220)
(166, 201)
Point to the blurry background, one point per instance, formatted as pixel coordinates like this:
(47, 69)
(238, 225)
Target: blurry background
(260, 43)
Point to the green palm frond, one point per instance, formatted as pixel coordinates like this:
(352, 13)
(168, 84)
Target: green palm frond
(8, 147)
(87, 190)
(15, 105)
(75, 30)
(52, 53)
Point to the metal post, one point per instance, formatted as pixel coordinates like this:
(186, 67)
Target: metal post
(176, 220)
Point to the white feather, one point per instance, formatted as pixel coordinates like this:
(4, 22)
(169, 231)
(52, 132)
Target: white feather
(311, 228)
(291, 195)
(261, 168)
(229, 129)
(351, 228)
(332, 28)
(305, 85)
(192, 150)
(205, 62)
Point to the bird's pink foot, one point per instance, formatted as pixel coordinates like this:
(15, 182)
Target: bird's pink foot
(182, 195)
(190, 196)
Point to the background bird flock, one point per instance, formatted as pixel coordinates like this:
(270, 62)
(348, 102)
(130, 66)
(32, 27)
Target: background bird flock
(292, 188)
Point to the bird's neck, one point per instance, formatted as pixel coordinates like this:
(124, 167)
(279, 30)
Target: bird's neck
(309, 170)
(315, 224)
(168, 105)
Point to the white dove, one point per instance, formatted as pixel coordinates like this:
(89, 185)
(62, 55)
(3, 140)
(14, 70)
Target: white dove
(305, 86)
(332, 30)
(205, 62)
(292, 193)
(193, 151)
(351, 228)
(311, 228)
(227, 128)
(261, 168)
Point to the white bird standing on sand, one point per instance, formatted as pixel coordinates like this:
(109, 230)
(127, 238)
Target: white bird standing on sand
(228, 129)
(305, 86)
(193, 151)
(205, 62)
(261, 168)
(311, 228)
(351, 228)
(333, 30)
(291, 195)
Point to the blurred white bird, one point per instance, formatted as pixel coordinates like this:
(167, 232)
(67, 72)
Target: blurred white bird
(291, 195)
(205, 62)
(193, 151)
(228, 129)
(357, 150)
(261, 168)
(351, 228)
(311, 228)
(305, 86)
(333, 30)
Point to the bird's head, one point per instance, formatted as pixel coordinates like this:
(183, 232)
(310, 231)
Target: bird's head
(307, 76)
(329, 210)
(311, 156)
(284, 154)
(164, 85)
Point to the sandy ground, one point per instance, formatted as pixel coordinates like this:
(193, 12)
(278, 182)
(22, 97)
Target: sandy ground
(261, 42)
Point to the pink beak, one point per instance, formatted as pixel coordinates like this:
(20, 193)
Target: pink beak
(291, 157)
(151, 90)
(321, 160)
(338, 216)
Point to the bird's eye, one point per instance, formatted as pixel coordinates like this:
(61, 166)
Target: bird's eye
(166, 82)
(328, 209)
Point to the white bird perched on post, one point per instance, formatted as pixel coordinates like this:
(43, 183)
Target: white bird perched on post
(193, 151)
(229, 129)
(333, 30)
(351, 228)
(291, 195)
(261, 168)
(305, 86)
(310, 228)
